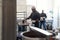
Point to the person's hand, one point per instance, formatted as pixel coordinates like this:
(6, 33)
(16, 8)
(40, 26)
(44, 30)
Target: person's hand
(41, 18)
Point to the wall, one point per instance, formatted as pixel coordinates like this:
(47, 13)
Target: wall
(29, 10)
(0, 19)
(21, 9)
(56, 13)
(9, 19)
(21, 5)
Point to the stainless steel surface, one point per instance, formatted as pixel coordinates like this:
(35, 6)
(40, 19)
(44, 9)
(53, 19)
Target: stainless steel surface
(31, 38)
(41, 31)
(35, 35)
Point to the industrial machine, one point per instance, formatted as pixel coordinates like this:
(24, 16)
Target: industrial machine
(36, 34)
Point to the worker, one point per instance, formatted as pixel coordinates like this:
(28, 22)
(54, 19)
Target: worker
(35, 17)
(42, 20)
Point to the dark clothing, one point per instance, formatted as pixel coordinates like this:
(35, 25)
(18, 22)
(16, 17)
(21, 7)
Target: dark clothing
(43, 22)
(43, 15)
(34, 16)
(36, 24)
(21, 28)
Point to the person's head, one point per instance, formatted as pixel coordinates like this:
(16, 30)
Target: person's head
(42, 11)
(33, 9)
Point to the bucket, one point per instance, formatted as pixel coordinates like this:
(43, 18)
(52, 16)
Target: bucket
(31, 35)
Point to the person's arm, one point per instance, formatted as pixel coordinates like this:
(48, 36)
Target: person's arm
(45, 16)
(29, 16)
